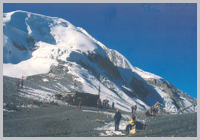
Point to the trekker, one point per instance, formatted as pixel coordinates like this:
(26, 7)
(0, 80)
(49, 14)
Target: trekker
(135, 107)
(22, 82)
(104, 104)
(148, 114)
(79, 105)
(79, 102)
(107, 105)
(17, 84)
(113, 104)
(131, 124)
(117, 119)
(156, 108)
(132, 109)
(98, 103)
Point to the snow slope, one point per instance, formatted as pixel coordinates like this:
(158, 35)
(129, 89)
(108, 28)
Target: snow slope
(34, 43)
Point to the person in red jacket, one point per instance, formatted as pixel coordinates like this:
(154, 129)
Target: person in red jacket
(135, 107)
(17, 84)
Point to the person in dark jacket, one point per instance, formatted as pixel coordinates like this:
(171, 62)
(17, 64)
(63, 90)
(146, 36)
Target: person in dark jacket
(113, 104)
(117, 119)
(132, 109)
(22, 82)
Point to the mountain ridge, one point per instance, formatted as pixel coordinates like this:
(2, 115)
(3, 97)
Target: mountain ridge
(51, 43)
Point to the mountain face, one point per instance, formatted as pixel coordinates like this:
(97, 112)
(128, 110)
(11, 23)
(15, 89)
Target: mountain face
(52, 51)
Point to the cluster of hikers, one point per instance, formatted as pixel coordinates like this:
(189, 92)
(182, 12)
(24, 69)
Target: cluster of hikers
(153, 110)
(20, 83)
(132, 126)
(133, 108)
(103, 104)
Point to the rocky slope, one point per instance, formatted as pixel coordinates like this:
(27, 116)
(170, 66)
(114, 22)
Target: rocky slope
(53, 52)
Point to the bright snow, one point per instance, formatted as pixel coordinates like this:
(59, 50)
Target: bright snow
(56, 38)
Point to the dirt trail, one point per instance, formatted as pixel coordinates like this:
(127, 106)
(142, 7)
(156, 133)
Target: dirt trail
(69, 121)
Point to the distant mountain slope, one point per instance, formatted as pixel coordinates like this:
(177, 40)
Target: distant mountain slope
(52, 47)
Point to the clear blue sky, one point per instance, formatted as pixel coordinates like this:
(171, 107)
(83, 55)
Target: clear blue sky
(158, 38)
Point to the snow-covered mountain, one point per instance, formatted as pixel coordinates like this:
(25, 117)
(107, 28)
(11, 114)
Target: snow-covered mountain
(60, 53)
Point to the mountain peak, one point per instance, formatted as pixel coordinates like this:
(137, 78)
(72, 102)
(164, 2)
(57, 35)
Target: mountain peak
(40, 45)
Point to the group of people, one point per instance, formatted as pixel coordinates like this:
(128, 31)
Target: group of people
(103, 104)
(129, 126)
(153, 110)
(133, 124)
(133, 108)
(20, 83)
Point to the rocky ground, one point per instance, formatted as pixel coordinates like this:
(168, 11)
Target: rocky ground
(22, 118)
(49, 120)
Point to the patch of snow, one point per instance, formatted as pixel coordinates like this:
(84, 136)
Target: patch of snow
(28, 106)
(8, 110)
(109, 128)
(45, 80)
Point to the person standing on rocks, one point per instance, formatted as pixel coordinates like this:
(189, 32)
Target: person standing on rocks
(113, 104)
(135, 108)
(79, 102)
(17, 84)
(104, 104)
(22, 82)
(132, 109)
(117, 119)
(98, 103)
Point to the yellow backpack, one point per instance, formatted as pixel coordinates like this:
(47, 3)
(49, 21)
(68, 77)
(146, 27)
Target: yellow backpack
(133, 130)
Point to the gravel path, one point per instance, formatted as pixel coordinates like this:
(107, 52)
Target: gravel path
(69, 121)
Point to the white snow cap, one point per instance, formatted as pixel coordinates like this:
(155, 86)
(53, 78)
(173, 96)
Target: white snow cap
(32, 44)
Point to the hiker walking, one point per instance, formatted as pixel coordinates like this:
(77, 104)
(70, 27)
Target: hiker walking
(117, 119)
(131, 124)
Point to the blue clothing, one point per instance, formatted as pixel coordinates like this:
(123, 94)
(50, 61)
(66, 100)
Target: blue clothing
(116, 126)
(99, 103)
(117, 119)
(117, 116)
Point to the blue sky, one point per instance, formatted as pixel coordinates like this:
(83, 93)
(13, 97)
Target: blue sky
(158, 38)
